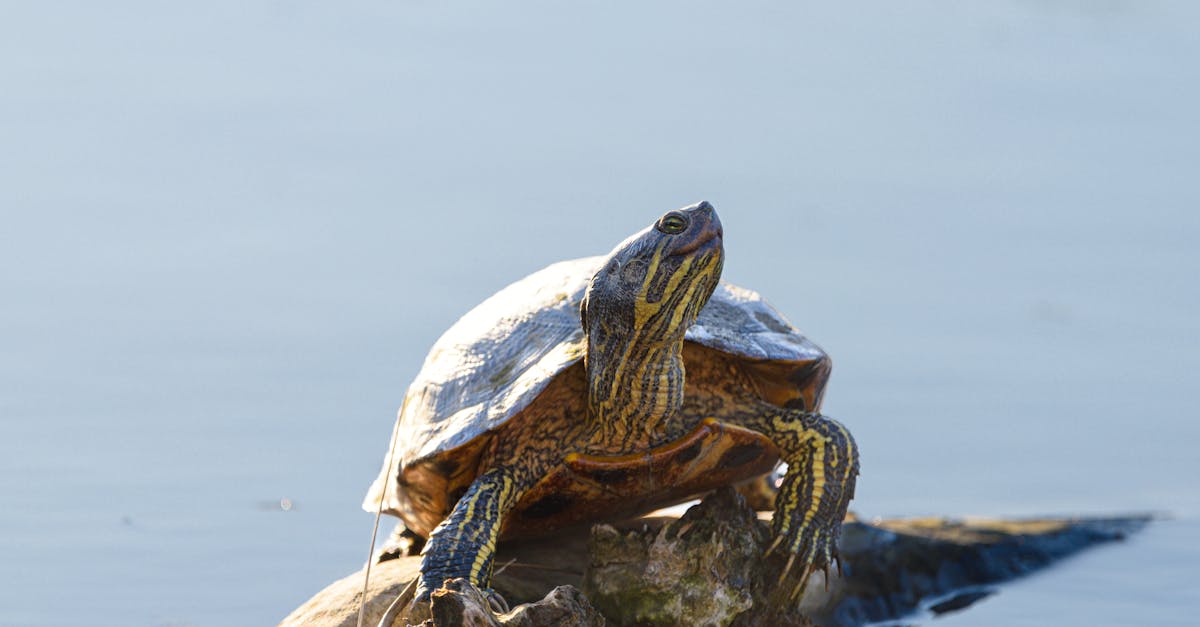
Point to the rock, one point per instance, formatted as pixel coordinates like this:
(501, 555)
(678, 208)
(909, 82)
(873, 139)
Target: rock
(706, 568)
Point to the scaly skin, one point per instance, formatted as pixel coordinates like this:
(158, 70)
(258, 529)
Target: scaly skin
(465, 543)
(822, 463)
(640, 398)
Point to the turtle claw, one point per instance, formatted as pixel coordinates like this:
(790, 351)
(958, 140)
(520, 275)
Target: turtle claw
(774, 545)
(787, 575)
(808, 517)
(799, 589)
(496, 602)
(783, 577)
(806, 576)
(811, 548)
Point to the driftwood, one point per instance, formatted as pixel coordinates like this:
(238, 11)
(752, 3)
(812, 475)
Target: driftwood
(706, 567)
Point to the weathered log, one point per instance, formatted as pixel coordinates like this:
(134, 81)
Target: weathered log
(460, 604)
(894, 567)
(706, 567)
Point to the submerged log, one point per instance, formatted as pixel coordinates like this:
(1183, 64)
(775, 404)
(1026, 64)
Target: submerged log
(706, 567)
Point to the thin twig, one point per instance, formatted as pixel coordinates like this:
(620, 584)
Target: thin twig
(510, 563)
(362, 602)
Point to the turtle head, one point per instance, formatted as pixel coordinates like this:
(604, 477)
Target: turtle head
(635, 312)
(652, 286)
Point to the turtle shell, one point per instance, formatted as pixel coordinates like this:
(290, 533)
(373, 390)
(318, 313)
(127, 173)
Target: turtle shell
(495, 361)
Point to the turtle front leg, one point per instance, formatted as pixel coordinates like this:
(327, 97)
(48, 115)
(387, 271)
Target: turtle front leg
(822, 461)
(464, 544)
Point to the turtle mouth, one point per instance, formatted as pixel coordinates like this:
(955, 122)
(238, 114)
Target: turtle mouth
(710, 237)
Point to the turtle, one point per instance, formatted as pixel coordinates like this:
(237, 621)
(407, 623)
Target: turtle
(605, 387)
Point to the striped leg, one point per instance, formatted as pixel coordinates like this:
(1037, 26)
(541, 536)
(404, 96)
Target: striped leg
(464, 544)
(822, 463)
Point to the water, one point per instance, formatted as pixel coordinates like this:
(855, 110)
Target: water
(231, 231)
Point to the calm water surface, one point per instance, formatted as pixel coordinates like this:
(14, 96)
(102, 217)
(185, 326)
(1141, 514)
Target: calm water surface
(231, 231)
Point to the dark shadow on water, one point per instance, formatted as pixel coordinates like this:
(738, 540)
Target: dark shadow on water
(960, 601)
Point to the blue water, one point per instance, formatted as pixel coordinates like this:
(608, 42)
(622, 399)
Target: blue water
(231, 230)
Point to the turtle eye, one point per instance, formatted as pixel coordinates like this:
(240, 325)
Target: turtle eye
(672, 223)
